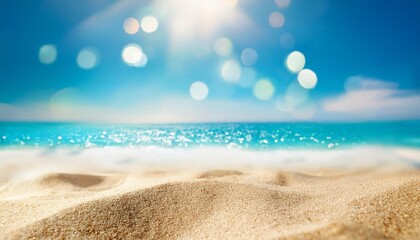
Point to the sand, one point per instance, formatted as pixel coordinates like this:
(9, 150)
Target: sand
(214, 204)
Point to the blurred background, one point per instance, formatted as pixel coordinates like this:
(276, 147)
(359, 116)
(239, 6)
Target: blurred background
(163, 61)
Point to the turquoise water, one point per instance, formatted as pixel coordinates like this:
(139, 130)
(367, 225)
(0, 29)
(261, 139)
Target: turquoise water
(240, 135)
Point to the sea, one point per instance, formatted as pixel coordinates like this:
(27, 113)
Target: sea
(133, 147)
(252, 136)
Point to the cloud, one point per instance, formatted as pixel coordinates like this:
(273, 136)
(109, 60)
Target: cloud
(170, 110)
(373, 99)
(364, 99)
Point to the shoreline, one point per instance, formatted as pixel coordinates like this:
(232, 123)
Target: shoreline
(21, 163)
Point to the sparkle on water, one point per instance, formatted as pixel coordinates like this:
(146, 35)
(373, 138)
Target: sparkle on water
(248, 136)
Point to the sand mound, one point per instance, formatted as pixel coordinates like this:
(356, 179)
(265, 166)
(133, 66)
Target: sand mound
(287, 179)
(283, 178)
(219, 173)
(77, 180)
(60, 183)
(396, 213)
(225, 204)
(338, 230)
(164, 211)
(393, 214)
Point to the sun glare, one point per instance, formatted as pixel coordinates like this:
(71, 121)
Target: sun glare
(192, 19)
(197, 29)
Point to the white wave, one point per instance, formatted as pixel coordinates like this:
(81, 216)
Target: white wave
(22, 163)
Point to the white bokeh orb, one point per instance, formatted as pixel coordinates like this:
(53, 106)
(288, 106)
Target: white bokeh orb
(133, 55)
(149, 24)
(199, 91)
(295, 61)
(307, 78)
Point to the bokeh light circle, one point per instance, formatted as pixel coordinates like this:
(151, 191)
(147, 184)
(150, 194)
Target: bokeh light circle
(282, 3)
(149, 24)
(287, 41)
(199, 91)
(263, 89)
(87, 59)
(47, 54)
(295, 61)
(307, 79)
(249, 57)
(276, 20)
(133, 55)
(143, 60)
(223, 47)
(231, 71)
(131, 26)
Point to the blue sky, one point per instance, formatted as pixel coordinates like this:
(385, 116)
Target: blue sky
(364, 55)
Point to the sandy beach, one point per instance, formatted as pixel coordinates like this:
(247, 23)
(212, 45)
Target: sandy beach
(209, 119)
(214, 204)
